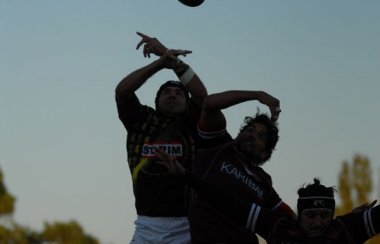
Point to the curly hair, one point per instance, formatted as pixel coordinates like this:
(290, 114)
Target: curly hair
(272, 132)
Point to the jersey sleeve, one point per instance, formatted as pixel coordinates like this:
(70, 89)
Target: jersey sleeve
(211, 132)
(284, 208)
(363, 225)
(129, 111)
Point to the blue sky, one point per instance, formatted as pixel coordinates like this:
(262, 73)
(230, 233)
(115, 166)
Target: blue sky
(62, 147)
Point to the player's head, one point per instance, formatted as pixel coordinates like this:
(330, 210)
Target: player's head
(171, 98)
(316, 206)
(258, 137)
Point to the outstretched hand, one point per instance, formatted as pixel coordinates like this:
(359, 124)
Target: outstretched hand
(363, 207)
(152, 45)
(170, 162)
(273, 104)
(170, 59)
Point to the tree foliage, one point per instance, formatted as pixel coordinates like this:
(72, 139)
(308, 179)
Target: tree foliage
(355, 187)
(66, 233)
(6, 200)
(57, 232)
(345, 190)
(12, 236)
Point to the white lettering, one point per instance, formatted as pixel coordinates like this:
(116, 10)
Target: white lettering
(231, 170)
(319, 203)
(173, 148)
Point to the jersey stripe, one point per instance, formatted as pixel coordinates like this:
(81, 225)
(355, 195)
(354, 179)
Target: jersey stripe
(252, 217)
(368, 223)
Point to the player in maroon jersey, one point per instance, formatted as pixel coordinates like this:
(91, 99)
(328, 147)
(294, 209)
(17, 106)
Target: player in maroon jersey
(234, 164)
(316, 205)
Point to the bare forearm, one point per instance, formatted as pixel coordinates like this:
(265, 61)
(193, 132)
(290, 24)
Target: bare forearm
(192, 82)
(197, 89)
(227, 99)
(135, 80)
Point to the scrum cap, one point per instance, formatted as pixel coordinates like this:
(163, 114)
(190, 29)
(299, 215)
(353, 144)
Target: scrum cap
(315, 202)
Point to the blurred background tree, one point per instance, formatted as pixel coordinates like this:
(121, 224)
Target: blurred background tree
(6, 200)
(355, 187)
(66, 233)
(55, 233)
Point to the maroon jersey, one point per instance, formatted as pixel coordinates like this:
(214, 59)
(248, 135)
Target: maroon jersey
(353, 228)
(219, 162)
(279, 228)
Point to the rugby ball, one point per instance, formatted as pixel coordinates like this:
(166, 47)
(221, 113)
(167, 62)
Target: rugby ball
(191, 3)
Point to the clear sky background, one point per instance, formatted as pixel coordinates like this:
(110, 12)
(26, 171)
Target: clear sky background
(62, 147)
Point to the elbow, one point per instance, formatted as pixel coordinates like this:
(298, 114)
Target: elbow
(122, 94)
(118, 92)
(120, 88)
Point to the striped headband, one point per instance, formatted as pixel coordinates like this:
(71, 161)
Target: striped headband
(315, 202)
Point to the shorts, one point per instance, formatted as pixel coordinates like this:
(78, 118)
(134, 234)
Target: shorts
(161, 230)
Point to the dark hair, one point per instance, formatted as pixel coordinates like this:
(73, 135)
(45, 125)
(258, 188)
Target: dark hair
(272, 132)
(316, 189)
(168, 84)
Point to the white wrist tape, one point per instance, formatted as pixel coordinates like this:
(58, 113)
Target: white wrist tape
(179, 61)
(186, 77)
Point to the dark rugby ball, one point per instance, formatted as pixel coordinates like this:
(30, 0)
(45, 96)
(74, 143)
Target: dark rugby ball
(191, 3)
